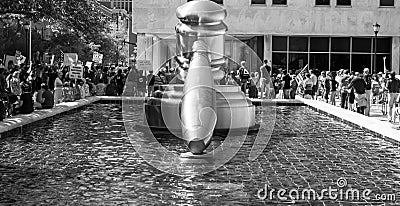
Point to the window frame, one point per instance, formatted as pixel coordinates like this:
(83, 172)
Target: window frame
(256, 4)
(385, 6)
(323, 5)
(343, 5)
(274, 4)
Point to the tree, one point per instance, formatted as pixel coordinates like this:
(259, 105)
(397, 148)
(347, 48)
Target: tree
(78, 16)
(77, 23)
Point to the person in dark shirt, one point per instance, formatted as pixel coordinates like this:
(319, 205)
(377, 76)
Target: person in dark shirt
(286, 86)
(333, 84)
(119, 80)
(150, 83)
(46, 98)
(3, 82)
(52, 77)
(359, 85)
(393, 86)
(368, 90)
(26, 101)
(244, 76)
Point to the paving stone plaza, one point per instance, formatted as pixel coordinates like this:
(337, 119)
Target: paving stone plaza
(86, 158)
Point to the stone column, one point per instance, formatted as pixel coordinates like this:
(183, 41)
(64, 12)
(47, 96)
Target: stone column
(396, 54)
(267, 47)
(141, 46)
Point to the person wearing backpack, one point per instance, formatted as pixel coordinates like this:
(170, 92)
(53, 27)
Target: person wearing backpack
(359, 85)
(244, 76)
(368, 90)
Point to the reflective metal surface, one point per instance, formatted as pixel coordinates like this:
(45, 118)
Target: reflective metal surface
(201, 12)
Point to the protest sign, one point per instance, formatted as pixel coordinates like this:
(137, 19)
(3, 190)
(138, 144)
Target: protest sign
(97, 57)
(19, 57)
(89, 64)
(9, 58)
(76, 72)
(144, 65)
(70, 59)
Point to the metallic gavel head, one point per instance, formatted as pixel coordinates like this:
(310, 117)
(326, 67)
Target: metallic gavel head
(201, 20)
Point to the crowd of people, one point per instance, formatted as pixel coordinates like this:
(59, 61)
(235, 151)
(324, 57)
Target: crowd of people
(353, 90)
(358, 91)
(24, 89)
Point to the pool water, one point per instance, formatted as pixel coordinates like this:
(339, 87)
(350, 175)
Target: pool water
(86, 158)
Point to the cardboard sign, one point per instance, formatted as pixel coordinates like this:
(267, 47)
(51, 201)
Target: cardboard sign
(48, 59)
(89, 64)
(144, 65)
(76, 72)
(97, 57)
(70, 59)
(8, 59)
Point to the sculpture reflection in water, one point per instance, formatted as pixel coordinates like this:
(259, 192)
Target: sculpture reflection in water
(196, 109)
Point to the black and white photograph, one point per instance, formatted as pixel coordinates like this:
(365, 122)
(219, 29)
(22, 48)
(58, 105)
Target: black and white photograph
(200, 102)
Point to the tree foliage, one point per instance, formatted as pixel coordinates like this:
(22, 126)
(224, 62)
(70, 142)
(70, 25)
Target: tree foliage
(77, 23)
(78, 16)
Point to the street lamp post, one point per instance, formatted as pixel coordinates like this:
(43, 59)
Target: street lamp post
(27, 28)
(376, 28)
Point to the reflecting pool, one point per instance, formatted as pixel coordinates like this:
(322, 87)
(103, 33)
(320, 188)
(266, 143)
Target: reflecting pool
(86, 158)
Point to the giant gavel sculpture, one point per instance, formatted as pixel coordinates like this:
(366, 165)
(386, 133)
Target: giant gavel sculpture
(199, 107)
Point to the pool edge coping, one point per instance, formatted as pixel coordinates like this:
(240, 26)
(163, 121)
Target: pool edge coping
(379, 128)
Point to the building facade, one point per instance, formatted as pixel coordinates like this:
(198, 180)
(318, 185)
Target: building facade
(122, 4)
(326, 34)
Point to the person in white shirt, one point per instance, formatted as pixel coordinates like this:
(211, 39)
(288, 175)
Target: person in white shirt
(58, 89)
(314, 79)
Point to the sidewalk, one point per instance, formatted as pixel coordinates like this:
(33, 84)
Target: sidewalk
(376, 112)
(376, 122)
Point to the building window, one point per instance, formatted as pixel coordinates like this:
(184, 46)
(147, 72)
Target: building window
(297, 61)
(343, 2)
(340, 61)
(386, 2)
(330, 53)
(279, 61)
(279, 43)
(257, 1)
(298, 44)
(319, 61)
(279, 2)
(319, 44)
(340, 44)
(362, 45)
(322, 2)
